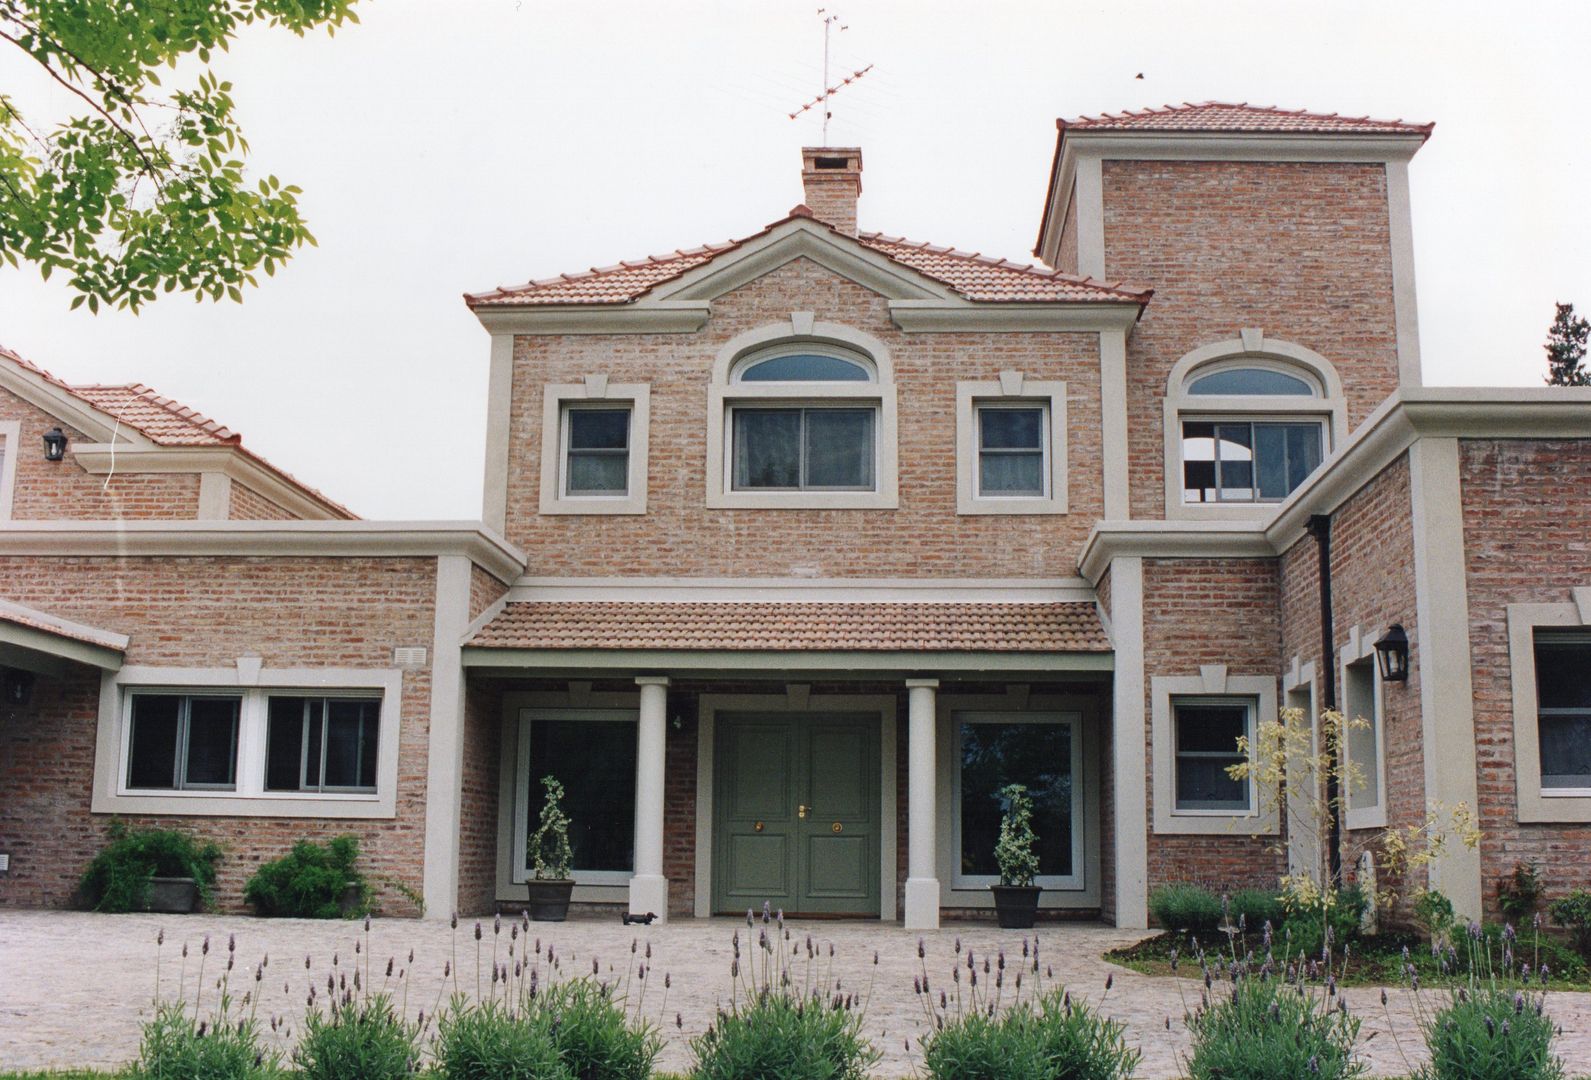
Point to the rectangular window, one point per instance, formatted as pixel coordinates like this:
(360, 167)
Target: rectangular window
(1206, 746)
(598, 785)
(1563, 698)
(596, 451)
(321, 743)
(1011, 450)
(1242, 461)
(998, 749)
(1363, 739)
(182, 742)
(804, 449)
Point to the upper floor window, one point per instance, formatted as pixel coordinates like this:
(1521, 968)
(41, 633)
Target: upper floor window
(594, 441)
(596, 450)
(802, 415)
(1247, 422)
(1011, 446)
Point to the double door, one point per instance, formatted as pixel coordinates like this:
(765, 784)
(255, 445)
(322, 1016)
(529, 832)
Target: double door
(796, 813)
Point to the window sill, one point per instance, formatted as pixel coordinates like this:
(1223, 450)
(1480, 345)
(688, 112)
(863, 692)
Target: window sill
(1030, 505)
(1181, 511)
(211, 804)
(1371, 817)
(593, 504)
(802, 500)
(1213, 823)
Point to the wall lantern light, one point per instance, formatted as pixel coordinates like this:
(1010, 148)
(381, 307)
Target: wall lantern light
(1392, 653)
(54, 444)
(16, 687)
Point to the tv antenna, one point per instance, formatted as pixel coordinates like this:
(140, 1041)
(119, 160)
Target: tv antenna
(829, 18)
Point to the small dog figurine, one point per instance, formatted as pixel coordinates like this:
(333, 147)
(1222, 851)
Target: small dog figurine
(644, 920)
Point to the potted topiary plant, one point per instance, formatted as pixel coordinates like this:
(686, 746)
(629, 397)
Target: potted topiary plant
(550, 858)
(1016, 898)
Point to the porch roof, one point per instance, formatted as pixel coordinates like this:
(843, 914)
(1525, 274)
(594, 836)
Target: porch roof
(35, 640)
(900, 627)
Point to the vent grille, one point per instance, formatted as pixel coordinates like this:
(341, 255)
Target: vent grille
(411, 656)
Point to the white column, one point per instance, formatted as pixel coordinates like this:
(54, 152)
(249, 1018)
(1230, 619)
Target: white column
(1127, 736)
(922, 886)
(444, 772)
(648, 887)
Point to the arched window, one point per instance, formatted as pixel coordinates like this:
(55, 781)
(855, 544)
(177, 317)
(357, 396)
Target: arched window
(802, 415)
(1247, 422)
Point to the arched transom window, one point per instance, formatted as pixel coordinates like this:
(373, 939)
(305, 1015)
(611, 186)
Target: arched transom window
(802, 416)
(1248, 429)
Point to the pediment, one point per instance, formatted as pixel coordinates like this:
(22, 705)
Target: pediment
(800, 239)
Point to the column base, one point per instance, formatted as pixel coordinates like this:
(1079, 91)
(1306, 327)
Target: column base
(649, 894)
(922, 903)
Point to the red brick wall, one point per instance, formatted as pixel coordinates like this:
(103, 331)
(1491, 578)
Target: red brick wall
(1066, 255)
(1300, 250)
(206, 612)
(1525, 513)
(1209, 611)
(478, 807)
(64, 489)
(485, 590)
(250, 505)
(923, 538)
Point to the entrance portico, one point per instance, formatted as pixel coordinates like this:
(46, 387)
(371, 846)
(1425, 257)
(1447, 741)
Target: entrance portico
(705, 781)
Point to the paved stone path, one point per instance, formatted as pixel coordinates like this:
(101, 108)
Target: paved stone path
(74, 987)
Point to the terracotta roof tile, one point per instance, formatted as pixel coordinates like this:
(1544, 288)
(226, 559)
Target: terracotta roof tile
(18, 615)
(862, 627)
(1241, 118)
(975, 277)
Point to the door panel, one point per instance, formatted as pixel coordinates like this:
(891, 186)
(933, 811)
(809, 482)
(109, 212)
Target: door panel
(796, 817)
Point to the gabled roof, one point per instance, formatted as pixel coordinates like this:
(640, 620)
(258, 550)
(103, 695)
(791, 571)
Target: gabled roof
(839, 627)
(1240, 118)
(166, 422)
(972, 276)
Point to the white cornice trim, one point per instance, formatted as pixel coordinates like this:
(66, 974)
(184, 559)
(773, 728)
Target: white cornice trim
(104, 458)
(642, 317)
(802, 590)
(951, 316)
(778, 662)
(71, 410)
(340, 539)
(1411, 414)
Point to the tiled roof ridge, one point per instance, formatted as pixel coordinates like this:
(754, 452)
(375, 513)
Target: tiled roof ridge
(149, 394)
(1035, 269)
(1108, 119)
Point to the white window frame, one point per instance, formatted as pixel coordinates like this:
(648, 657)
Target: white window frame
(1360, 648)
(801, 333)
(524, 795)
(1213, 684)
(308, 696)
(10, 437)
(1010, 389)
(1193, 416)
(1251, 349)
(184, 731)
(1071, 720)
(255, 685)
(1535, 803)
(594, 392)
(803, 407)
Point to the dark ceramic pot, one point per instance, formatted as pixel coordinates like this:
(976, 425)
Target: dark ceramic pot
(1016, 906)
(173, 895)
(549, 900)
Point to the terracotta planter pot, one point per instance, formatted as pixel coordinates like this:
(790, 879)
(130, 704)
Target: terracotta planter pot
(351, 899)
(1016, 906)
(173, 895)
(549, 900)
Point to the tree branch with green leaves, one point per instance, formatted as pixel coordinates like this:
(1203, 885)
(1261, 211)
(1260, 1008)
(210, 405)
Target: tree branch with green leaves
(140, 190)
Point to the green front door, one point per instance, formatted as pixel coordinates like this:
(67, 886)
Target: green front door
(796, 808)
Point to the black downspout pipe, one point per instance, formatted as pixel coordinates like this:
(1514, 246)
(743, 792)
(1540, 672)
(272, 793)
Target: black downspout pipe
(1319, 527)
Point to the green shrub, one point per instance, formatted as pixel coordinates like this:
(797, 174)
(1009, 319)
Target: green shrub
(1519, 894)
(176, 1047)
(1490, 1034)
(784, 1036)
(488, 1042)
(594, 1037)
(1574, 912)
(1185, 908)
(1305, 932)
(1433, 914)
(1267, 1029)
(1253, 908)
(118, 878)
(1059, 1039)
(309, 881)
(364, 1039)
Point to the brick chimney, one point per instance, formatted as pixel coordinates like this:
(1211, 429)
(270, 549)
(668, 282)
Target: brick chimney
(832, 178)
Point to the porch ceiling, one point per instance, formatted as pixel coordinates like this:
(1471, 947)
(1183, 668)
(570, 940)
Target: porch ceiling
(37, 641)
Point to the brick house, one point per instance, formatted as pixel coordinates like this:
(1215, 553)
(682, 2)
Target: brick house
(819, 538)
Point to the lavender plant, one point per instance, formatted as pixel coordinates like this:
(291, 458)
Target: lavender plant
(489, 1041)
(1262, 1025)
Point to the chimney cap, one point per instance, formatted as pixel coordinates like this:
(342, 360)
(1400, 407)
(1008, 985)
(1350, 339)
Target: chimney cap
(836, 158)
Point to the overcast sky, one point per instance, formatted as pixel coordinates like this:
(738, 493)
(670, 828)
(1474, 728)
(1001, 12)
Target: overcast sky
(446, 147)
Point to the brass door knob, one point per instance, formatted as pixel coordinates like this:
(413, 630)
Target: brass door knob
(837, 827)
(801, 811)
(757, 827)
